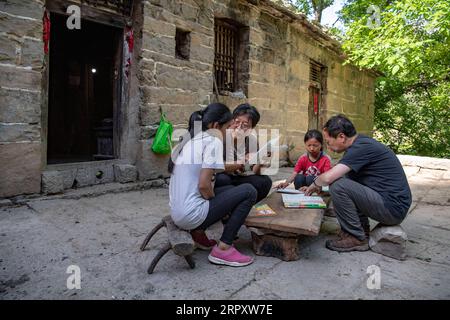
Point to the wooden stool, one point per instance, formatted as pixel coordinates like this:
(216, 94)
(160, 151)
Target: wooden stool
(180, 241)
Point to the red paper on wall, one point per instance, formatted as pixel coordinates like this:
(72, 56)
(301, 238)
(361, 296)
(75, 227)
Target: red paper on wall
(316, 103)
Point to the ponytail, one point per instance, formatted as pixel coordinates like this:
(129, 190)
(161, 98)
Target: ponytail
(215, 112)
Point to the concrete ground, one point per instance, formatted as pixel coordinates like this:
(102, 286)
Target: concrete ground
(41, 238)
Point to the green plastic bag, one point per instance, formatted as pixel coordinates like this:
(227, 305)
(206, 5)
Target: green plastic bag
(162, 143)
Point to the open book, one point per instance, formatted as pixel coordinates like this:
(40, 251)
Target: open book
(302, 201)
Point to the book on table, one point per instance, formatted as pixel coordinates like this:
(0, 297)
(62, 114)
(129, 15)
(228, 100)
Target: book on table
(264, 210)
(290, 191)
(302, 201)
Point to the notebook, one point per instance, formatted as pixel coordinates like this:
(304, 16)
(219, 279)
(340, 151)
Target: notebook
(302, 201)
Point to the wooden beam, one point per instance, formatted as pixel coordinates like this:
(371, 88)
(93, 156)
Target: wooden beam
(89, 13)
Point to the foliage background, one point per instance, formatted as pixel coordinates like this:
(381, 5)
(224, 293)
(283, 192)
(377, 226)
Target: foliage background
(408, 42)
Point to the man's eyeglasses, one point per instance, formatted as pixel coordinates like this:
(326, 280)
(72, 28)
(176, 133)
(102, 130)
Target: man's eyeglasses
(240, 124)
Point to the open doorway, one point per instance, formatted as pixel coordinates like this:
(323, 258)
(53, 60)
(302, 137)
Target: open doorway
(84, 91)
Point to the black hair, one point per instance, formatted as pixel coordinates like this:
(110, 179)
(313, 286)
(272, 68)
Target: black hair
(247, 109)
(340, 124)
(214, 112)
(314, 134)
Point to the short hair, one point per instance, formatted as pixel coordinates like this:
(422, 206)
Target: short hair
(313, 134)
(247, 109)
(339, 124)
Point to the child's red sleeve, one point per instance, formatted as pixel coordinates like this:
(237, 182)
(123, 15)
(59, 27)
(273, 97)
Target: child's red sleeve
(300, 164)
(327, 164)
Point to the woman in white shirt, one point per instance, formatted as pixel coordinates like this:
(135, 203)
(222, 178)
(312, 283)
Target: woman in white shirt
(195, 204)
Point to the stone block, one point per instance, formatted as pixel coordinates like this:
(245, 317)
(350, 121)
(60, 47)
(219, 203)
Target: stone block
(389, 241)
(297, 121)
(20, 171)
(168, 96)
(149, 114)
(293, 97)
(124, 173)
(202, 53)
(150, 165)
(20, 78)
(259, 90)
(182, 78)
(158, 183)
(19, 106)
(32, 54)
(199, 66)
(188, 12)
(148, 132)
(426, 162)
(6, 203)
(159, 43)
(95, 174)
(272, 118)
(24, 52)
(159, 27)
(21, 27)
(18, 132)
(52, 182)
(198, 39)
(29, 9)
(260, 103)
(85, 174)
(179, 114)
(8, 50)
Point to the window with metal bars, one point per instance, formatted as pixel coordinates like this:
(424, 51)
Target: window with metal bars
(120, 6)
(315, 72)
(225, 49)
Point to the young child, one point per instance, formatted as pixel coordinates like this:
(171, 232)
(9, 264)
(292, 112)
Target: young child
(310, 165)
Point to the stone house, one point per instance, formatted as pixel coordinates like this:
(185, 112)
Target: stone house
(80, 98)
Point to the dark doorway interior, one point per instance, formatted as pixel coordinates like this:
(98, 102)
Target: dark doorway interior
(317, 91)
(314, 107)
(83, 91)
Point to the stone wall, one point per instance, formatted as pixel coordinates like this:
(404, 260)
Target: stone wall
(280, 49)
(21, 63)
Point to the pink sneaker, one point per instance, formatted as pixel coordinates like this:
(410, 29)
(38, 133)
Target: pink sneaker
(230, 257)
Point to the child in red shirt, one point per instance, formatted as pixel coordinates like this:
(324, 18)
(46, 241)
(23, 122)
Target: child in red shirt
(310, 165)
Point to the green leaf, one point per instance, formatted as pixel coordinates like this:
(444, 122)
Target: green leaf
(395, 69)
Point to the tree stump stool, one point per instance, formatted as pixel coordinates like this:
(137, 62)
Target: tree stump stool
(180, 241)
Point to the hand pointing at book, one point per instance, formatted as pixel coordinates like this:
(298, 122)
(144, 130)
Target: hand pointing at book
(311, 189)
(282, 185)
